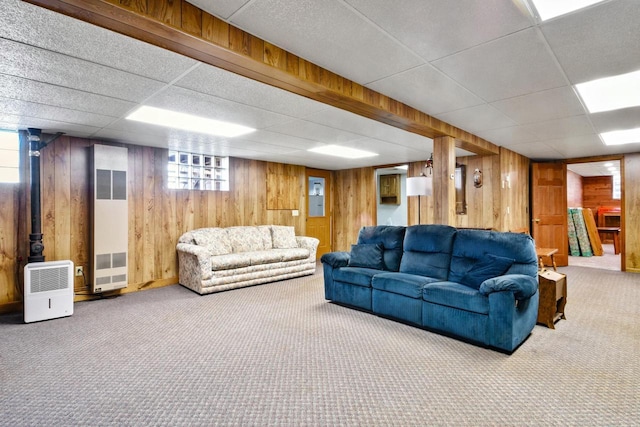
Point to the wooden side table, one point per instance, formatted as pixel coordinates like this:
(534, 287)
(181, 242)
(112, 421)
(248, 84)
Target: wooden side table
(553, 297)
(546, 252)
(615, 233)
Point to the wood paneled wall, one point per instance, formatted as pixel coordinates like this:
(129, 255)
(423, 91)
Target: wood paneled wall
(354, 205)
(157, 215)
(574, 190)
(514, 204)
(598, 191)
(483, 203)
(631, 212)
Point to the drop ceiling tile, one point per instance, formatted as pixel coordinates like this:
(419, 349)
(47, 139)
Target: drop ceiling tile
(48, 112)
(536, 151)
(14, 122)
(221, 8)
(33, 91)
(353, 123)
(329, 34)
(33, 63)
(599, 41)
(508, 136)
(540, 106)
(627, 118)
(313, 131)
(65, 35)
(476, 119)
(223, 84)
(188, 101)
(511, 66)
(561, 128)
(275, 138)
(426, 89)
(444, 27)
(577, 146)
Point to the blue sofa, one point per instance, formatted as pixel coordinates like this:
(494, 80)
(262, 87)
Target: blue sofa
(477, 285)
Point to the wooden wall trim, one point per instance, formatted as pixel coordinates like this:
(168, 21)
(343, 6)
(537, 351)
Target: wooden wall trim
(183, 28)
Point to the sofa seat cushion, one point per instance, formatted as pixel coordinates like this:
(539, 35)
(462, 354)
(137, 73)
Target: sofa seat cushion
(291, 254)
(230, 261)
(456, 295)
(355, 275)
(409, 285)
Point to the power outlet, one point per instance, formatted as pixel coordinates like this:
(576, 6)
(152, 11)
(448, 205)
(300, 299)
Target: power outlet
(79, 270)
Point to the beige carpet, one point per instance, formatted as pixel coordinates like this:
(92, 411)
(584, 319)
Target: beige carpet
(608, 261)
(279, 354)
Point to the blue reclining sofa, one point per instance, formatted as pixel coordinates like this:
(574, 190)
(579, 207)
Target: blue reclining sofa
(477, 285)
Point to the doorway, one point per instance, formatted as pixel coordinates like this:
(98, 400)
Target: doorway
(318, 190)
(597, 187)
(391, 195)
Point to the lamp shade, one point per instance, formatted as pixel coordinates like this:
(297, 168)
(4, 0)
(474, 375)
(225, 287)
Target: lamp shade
(419, 186)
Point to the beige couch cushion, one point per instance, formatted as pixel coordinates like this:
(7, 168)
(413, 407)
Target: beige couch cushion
(265, 231)
(283, 237)
(214, 239)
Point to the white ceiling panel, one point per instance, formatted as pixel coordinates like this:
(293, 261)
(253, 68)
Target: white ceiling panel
(577, 146)
(44, 111)
(627, 118)
(314, 131)
(59, 96)
(536, 151)
(200, 104)
(445, 27)
(33, 63)
(508, 136)
(476, 119)
(52, 31)
(220, 8)
(511, 66)
(21, 122)
(598, 42)
(223, 84)
(330, 33)
(541, 106)
(280, 139)
(561, 128)
(426, 89)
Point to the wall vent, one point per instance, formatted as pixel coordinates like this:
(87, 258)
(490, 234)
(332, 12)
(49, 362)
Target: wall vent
(110, 218)
(48, 290)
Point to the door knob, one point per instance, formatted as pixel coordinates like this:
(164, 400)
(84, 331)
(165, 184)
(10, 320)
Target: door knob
(536, 220)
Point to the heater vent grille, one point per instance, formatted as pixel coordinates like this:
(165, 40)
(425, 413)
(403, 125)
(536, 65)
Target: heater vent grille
(49, 279)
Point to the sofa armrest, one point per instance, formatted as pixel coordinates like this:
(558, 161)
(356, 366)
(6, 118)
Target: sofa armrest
(310, 243)
(194, 262)
(336, 259)
(521, 285)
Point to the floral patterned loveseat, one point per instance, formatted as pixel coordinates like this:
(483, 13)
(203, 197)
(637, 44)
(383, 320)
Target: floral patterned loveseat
(217, 259)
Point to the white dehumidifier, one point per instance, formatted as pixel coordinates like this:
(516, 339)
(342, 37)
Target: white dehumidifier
(48, 290)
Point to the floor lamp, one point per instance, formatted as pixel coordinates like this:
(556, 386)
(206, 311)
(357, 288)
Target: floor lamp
(419, 186)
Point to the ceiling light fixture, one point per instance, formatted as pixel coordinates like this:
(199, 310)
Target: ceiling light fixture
(188, 122)
(340, 151)
(619, 137)
(611, 93)
(548, 9)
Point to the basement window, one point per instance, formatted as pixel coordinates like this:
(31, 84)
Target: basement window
(9, 157)
(617, 192)
(192, 171)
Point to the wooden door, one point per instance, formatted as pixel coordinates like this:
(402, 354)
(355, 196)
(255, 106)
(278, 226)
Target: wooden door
(549, 226)
(319, 208)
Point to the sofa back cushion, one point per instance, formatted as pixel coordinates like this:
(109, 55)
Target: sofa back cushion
(283, 237)
(472, 247)
(245, 239)
(212, 238)
(391, 237)
(265, 232)
(427, 250)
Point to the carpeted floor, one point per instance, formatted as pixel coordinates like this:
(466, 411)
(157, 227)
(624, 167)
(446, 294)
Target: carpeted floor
(279, 354)
(607, 261)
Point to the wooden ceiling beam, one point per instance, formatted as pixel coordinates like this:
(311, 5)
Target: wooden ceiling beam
(180, 27)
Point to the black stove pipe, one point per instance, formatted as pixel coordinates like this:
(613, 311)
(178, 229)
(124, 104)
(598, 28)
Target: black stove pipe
(35, 237)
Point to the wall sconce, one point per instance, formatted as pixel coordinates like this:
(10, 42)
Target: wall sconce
(477, 178)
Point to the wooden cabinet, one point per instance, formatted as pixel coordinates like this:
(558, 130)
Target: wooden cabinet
(390, 189)
(553, 297)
